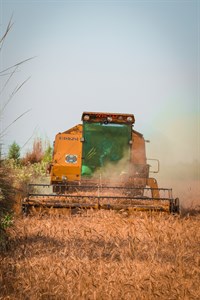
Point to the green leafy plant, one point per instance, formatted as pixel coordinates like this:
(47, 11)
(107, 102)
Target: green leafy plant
(6, 221)
(48, 154)
(14, 151)
(6, 203)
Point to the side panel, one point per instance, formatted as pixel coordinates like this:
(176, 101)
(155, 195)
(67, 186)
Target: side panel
(138, 158)
(67, 157)
(138, 149)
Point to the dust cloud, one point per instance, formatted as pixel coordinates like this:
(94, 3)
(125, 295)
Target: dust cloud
(184, 179)
(175, 142)
(113, 172)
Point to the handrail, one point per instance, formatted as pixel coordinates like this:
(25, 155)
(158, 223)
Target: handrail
(158, 165)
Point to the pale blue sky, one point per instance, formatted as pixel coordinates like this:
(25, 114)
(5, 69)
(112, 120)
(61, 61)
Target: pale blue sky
(139, 57)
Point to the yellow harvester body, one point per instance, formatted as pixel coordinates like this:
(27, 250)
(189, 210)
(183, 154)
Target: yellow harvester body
(102, 163)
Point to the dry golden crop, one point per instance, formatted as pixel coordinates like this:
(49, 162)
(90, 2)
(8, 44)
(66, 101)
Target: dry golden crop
(102, 255)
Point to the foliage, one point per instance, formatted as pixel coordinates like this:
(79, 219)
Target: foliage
(48, 155)
(25, 174)
(36, 154)
(6, 202)
(39, 153)
(6, 221)
(6, 181)
(32, 168)
(14, 151)
(14, 178)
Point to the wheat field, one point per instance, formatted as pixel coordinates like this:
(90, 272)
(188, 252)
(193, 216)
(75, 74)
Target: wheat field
(102, 255)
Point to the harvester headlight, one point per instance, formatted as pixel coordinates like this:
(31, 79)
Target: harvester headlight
(109, 119)
(86, 118)
(64, 178)
(129, 119)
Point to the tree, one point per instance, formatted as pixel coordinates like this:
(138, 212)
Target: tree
(14, 151)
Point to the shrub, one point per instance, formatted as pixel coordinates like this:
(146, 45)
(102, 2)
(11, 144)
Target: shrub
(14, 151)
(6, 203)
(36, 154)
(48, 155)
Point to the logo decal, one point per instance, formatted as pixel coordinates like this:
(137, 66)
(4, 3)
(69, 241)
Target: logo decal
(71, 159)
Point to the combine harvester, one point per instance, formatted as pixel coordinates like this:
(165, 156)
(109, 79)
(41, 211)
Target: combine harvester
(101, 163)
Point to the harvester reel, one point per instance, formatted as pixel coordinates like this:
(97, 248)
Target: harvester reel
(100, 197)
